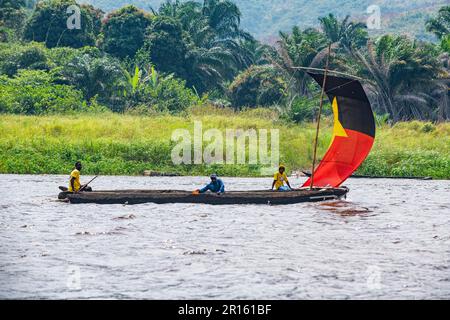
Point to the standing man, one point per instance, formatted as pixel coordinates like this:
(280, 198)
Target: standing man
(280, 179)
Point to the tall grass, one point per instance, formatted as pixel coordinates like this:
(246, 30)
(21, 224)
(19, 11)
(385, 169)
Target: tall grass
(113, 144)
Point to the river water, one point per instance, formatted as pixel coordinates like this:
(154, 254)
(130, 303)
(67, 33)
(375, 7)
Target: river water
(389, 240)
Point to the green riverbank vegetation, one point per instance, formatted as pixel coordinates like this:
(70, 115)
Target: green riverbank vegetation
(112, 144)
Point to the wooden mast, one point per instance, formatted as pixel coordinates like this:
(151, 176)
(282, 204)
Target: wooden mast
(319, 117)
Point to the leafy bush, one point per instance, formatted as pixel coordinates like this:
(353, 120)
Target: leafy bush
(303, 109)
(172, 95)
(12, 15)
(27, 56)
(152, 91)
(33, 92)
(445, 43)
(62, 56)
(428, 127)
(95, 76)
(257, 86)
(7, 34)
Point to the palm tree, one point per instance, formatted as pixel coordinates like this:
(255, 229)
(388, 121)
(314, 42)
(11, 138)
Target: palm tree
(440, 25)
(258, 53)
(347, 34)
(300, 49)
(209, 68)
(212, 30)
(223, 16)
(401, 76)
(442, 93)
(94, 75)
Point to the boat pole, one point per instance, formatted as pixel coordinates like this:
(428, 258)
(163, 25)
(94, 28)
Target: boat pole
(87, 184)
(319, 117)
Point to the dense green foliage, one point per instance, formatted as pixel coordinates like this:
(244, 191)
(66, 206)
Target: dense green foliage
(187, 53)
(402, 77)
(12, 13)
(440, 25)
(14, 57)
(34, 92)
(149, 92)
(48, 24)
(124, 31)
(165, 46)
(257, 86)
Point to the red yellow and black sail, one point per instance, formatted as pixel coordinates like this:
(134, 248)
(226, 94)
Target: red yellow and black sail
(353, 133)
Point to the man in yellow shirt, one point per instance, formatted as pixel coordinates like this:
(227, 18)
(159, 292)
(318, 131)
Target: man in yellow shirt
(280, 179)
(74, 183)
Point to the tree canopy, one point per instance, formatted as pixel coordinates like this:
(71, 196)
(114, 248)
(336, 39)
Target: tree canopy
(124, 31)
(48, 24)
(189, 52)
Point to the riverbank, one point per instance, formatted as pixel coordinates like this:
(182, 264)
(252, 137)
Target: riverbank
(112, 144)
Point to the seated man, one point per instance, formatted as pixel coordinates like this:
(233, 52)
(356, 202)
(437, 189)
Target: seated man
(279, 179)
(216, 186)
(74, 183)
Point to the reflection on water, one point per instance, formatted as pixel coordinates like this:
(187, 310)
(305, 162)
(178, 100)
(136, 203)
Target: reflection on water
(390, 239)
(345, 208)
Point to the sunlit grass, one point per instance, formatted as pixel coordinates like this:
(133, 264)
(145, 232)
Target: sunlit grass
(125, 144)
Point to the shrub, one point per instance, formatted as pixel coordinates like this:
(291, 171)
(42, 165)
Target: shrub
(303, 109)
(17, 56)
(33, 92)
(428, 127)
(62, 56)
(154, 92)
(257, 86)
(172, 96)
(7, 34)
(95, 76)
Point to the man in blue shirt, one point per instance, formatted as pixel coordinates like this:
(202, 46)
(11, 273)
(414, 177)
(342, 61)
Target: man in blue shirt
(216, 186)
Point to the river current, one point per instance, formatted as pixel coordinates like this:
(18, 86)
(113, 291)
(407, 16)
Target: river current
(390, 239)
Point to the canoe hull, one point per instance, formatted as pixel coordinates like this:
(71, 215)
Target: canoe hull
(229, 198)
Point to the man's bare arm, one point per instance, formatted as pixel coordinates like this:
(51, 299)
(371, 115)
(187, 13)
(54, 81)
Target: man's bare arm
(72, 184)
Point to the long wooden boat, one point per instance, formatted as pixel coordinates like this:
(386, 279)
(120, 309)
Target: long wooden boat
(228, 198)
(353, 138)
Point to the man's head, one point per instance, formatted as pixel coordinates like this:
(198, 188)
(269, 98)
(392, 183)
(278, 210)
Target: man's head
(214, 177)
(78, 166)
(282, 169)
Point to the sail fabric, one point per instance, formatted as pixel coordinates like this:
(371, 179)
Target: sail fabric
(353, 132)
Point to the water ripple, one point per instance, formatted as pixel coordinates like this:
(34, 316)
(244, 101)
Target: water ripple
(384, 242)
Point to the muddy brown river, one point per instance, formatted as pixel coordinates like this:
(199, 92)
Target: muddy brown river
(390, 239)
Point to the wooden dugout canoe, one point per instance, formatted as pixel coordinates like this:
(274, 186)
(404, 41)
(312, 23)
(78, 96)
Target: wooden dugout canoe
(228, 198)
